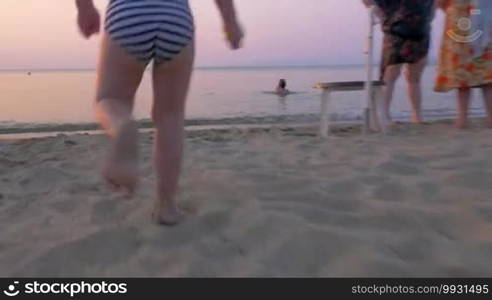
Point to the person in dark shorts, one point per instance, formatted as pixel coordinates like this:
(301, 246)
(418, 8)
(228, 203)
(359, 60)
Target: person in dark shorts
(406, 25)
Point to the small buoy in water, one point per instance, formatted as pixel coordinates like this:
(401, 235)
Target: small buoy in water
(29, 73)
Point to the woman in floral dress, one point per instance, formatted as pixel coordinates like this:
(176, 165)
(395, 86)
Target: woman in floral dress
(466, 54)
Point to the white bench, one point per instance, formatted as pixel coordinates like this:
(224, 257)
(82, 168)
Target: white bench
(371, 114)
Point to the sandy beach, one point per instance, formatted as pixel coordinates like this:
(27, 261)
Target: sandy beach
(265, 202)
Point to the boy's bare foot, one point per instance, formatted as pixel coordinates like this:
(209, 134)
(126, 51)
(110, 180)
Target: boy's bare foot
(121, 167)
(167, 215)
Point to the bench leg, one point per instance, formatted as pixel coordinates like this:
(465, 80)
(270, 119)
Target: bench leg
(365, 114)
(374, 122)
(382, 119)
(325, 114)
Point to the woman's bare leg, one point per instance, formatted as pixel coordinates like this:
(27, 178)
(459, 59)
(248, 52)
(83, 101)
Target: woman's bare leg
(464, 95)
(119, 76)
(171, 83)
(413, 76)
(487, 97)
(391, 75)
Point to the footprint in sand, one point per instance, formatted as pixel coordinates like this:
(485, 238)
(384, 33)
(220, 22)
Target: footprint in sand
(373, 180)
(307, 253)
(19, 206)
(478, 180)
(105, 212)
(485, 212)
(381, 267)
(7, 163)
(309, 197)
(399, 168)
(64, 207)
(445, 225)
(43, 180)
(326, 216)
(455, 155)
(346, 188)
(396, 221)
(264, 234)
(390, 191)
(191, 230)
(409, 159)
(429, 190)
(216, 257)
(85, 186)
(89, 256)
(411, 249)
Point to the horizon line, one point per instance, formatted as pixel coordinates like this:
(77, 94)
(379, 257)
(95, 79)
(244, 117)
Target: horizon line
(199, 67)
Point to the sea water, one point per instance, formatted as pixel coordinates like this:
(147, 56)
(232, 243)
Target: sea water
(216, 93)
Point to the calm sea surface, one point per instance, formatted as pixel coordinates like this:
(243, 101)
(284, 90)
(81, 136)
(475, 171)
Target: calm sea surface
(66, 96)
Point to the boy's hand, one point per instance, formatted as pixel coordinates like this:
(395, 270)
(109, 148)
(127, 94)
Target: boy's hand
(89, 21)
(234, 34)
(368, 2)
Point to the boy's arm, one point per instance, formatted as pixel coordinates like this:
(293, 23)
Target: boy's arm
(89, 20)
(84, 4)
(227, 10)
(232, 28)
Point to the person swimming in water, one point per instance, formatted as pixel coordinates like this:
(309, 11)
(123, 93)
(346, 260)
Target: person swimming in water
(135, 34)
(281, 89)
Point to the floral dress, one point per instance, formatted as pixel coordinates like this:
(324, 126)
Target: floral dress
(463, 62)
(401, 49)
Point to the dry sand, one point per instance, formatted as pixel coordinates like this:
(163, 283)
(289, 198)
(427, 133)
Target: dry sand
(272, 202)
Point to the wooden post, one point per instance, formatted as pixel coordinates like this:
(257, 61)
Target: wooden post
(325, 114)
(383, 120)
(369, 65)
(374, 123)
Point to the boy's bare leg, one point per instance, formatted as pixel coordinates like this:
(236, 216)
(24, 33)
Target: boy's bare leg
(119, 76)
(171, 83)
(464, 95)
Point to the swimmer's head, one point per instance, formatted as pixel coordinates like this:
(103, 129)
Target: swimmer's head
(282, 84)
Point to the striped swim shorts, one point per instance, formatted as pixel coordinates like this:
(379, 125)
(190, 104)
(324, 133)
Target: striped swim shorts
(150, 29)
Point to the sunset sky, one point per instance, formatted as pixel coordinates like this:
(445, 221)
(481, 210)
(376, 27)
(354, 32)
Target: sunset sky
(42, 34)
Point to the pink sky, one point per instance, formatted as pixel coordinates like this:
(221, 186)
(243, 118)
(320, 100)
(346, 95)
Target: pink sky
(40, 34)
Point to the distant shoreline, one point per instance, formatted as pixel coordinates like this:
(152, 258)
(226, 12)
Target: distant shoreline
(203, 68)
(23, 130)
